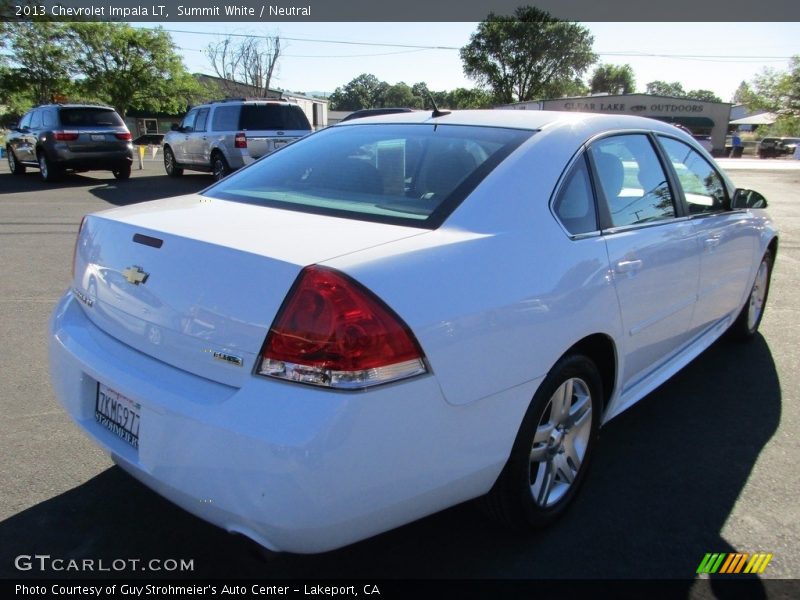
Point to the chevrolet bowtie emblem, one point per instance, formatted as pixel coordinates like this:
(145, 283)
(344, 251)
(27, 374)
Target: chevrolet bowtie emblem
(135, 275)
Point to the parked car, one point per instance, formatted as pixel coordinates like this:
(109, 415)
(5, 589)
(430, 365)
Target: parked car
(405, 313)
(223, 136)
(705, 141)
(773, 147)
(79, 137)
(789, 145)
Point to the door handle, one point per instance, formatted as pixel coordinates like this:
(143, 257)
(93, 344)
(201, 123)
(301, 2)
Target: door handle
(711, 243)
(628, 266)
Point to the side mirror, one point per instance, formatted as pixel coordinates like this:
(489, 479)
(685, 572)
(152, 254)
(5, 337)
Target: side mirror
(175, 127)
(748, 199)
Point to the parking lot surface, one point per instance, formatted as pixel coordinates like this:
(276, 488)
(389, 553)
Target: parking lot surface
(706, 463)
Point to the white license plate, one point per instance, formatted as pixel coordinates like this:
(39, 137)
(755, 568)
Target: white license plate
(98, 137)
(118, 414)
(279, 144)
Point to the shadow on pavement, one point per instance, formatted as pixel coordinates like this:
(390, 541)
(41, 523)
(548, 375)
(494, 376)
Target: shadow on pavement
(666, 476)
(139, 188)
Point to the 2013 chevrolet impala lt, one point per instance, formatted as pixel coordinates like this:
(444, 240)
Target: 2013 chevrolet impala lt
(401, 313)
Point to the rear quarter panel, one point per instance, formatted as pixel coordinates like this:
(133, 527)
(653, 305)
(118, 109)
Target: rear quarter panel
(499, 292)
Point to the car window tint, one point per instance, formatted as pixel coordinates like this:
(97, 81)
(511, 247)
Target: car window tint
(274, 117)
(36, 119)
(48, 119)
(632, 180)
(226, 118)
(90, 117)
(410, 174)
(574, 204)
(200, 122)
(25, 121)
(702, 185)
(188, 121)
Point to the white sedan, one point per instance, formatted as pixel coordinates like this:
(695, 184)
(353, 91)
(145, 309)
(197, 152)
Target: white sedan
(398, 314)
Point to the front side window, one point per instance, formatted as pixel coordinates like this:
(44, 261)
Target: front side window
(574, 204)
(702, 186)
(413, 174)
(632, 180)
(188, 121)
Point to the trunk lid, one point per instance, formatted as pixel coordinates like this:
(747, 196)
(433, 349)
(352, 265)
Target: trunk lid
(196, 282)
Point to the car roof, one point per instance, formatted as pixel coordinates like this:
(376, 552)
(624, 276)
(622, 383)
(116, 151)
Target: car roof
(101, 106)
(569, 123)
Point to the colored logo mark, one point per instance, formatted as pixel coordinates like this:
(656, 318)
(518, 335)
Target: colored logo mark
(734, 562)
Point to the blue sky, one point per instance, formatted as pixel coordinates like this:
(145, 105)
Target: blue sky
(715, 56)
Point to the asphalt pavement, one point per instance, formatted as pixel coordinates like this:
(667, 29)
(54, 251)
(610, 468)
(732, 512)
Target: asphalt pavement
(706, 463)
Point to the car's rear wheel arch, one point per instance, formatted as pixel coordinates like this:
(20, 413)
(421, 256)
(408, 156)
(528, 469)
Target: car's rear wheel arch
(600, 348)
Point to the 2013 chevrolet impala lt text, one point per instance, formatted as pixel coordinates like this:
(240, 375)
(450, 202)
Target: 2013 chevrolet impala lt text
(400, 313)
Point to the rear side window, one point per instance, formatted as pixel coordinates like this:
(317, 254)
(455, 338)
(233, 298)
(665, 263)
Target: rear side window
(48, 119)
(226, 118)
(274, 117)
(574, 204)
(36, 119)
(90, 117)
(414, 174)
(632, 180)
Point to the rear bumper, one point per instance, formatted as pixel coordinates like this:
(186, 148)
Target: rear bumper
(294, 468)
(92, 160)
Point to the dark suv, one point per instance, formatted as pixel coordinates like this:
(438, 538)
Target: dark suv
(78, 137)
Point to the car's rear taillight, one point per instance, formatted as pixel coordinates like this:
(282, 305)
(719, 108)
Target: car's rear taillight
(240, 141)
(65, 136)
(333, 332)
(123, 136)
(77, 241)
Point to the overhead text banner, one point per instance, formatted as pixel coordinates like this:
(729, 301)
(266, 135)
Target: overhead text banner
(270, 11)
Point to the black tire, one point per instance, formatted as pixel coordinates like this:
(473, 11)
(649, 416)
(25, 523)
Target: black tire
(48, 171)
(170, 166)
(745, 326)
(14, 165)
(521, 497)
(122, 173)
(219, 166)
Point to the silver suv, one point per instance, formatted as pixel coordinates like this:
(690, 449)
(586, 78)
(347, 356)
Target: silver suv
(78, 137)
(223, 136)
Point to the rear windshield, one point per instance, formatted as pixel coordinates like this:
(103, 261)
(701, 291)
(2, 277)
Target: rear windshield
(412, 174)
(273, 116)
(90, 117)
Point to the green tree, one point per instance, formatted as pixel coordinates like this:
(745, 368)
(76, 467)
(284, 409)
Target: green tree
(779, 92)
(364, 91)
(703, 95)
(528, 55)
(132, 68)
(400, 94)
(612, 79)
(461, 98)
(663, 88)
(41, 63)
(743, 94)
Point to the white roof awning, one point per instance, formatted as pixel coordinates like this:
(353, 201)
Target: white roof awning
(765, 118)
